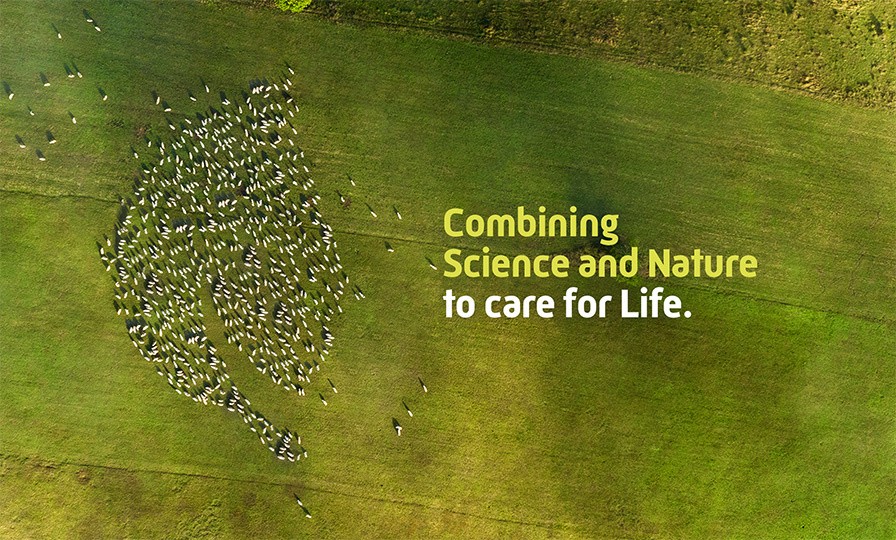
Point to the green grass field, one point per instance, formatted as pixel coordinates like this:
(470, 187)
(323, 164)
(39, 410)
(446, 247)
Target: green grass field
(768, 414)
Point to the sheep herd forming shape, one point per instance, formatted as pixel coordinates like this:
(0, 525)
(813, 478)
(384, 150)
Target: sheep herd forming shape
(224, 222)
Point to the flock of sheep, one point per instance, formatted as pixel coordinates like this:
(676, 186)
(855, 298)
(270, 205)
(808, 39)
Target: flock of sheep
(224, 212)
(224, 223)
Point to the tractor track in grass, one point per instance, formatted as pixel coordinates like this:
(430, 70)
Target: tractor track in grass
(57, 196)
(36, 462)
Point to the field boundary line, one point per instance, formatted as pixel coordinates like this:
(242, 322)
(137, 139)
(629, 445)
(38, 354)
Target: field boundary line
(59, 196)
(53, 464)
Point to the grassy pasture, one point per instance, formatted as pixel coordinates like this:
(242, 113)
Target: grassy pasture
(836, 49)
(769, 412)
